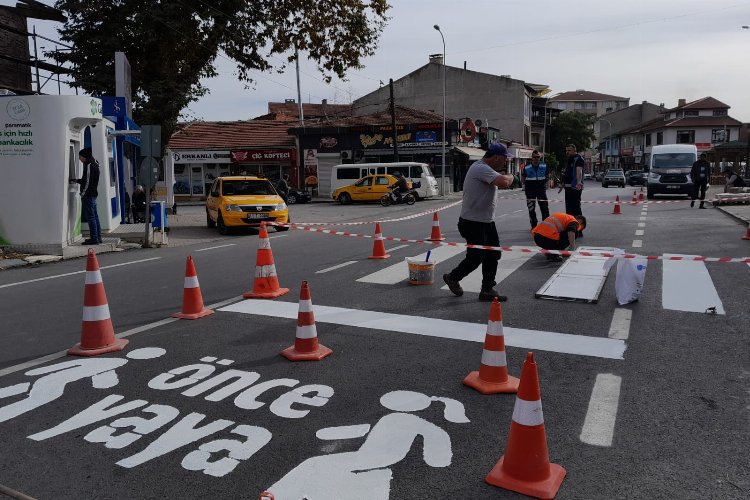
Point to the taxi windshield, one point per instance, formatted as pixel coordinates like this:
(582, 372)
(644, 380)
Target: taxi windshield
(246, 187)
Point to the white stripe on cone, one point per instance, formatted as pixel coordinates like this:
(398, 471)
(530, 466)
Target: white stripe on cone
(528, 413)
(93, 277)
(493, 358)
(305, 306)
(95, 313)
(495, 328)
(264, 243)
(191, 282)
(306, 332)
(265, 271)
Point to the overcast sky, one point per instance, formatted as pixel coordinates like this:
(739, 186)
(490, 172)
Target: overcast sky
(647, 50)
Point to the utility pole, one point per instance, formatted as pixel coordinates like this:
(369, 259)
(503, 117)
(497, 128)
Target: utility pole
(394, 132)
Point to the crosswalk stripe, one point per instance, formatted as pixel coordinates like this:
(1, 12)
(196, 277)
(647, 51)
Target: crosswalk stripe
(475, 332)
(509, 263)
(398, 272)
(687, 286)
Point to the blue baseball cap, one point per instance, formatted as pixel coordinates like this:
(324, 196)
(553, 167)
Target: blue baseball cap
(497, 149)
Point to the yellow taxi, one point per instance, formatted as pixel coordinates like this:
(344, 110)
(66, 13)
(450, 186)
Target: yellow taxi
(368, 188)
(244, 201)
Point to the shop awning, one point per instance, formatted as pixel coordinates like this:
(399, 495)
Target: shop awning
(472, 153)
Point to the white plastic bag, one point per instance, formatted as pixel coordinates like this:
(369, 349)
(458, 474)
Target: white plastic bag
(631, 274)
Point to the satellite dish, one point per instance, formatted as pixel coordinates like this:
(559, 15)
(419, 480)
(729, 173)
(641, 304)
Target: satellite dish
(478, 123)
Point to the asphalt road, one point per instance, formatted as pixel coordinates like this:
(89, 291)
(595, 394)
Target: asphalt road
(639, 401)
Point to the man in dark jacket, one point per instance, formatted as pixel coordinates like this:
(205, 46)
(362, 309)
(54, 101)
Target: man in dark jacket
(89, 183)
(283, 187)
(700, 173)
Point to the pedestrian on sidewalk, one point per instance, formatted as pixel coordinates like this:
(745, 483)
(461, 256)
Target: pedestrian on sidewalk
(699, 174)
(732, 179)
(476, 223)
(88, 186)
(558, 232)
(535, 179)
(573, 181)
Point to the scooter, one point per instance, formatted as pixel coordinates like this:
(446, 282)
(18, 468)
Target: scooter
(409, 197)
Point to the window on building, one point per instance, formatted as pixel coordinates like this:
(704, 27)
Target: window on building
(590, 105)
(720, 112)
(578, 105)
(686, 137)
(691, 112)
(536, 139)
(659, 138)
(562, 105)
(719, 135)
(648, 139)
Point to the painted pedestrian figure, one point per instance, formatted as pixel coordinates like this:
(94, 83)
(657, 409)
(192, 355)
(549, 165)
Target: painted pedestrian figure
(51, 386)
(366, 473)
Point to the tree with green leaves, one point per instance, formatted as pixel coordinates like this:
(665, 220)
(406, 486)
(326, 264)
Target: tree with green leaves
(571, 128)
(172, 44)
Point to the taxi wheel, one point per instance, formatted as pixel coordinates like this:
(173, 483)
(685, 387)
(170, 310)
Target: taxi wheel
(345, 199)
(209, 221)
(220, 224)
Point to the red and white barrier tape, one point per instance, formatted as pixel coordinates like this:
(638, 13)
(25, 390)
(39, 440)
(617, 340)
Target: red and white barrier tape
(566, 253)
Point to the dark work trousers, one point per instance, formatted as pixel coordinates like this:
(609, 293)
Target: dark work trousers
(478, 233)
(573, 201)
(540, 195)
(701, 187)
(550, 244)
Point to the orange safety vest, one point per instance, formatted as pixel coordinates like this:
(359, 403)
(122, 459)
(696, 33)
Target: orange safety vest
(552, 226)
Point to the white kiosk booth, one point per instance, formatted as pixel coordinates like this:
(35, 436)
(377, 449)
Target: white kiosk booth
(40, 212)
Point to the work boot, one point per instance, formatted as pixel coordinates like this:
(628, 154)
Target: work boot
(701, 205)
(552, 257)
(488, 295)
(453, 285)
(692, 204)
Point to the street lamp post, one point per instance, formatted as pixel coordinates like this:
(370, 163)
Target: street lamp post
(609, 137)
(442, 168)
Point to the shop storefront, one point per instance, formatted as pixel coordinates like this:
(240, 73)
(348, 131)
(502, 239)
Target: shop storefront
(195, 170)
(271, 163)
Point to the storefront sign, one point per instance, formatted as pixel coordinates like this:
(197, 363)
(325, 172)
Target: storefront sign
(261, 155)
(200, 156)
(311, 167)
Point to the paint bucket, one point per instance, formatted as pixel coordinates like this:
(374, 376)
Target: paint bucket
(421, 272)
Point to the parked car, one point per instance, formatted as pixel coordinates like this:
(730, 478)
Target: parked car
(587, 176)
(297, 196)
(244, 201)
(637, 178)
(613, 177)
(368, 188)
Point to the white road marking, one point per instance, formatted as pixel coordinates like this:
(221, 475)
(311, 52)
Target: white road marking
(599, 424)
(431, 327)
(75, 272)
(687, 286)
(396, 248)
(641, 224)
(150, 326)
(509, 263)
(214, 248)
(639, 232)
(620, 326)
(637, 243)
(642, 218)
(399, 272)
(343, 264)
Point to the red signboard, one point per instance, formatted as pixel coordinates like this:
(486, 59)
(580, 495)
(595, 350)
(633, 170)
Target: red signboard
(626, 151)
(703, 145)
(262, 155)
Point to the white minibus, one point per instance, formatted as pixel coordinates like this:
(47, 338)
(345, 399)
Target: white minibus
(669, 169)
(418, 174)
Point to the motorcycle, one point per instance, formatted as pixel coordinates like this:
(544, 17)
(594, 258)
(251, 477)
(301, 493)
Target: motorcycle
(409, 197)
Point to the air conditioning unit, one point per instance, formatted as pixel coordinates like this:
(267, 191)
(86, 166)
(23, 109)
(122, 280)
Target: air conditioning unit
(346, 154)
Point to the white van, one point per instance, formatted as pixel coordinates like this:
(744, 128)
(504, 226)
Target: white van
(669, 169)
(418, 174)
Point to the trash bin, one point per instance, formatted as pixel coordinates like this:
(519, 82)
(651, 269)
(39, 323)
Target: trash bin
(159, 216)
(421, 271)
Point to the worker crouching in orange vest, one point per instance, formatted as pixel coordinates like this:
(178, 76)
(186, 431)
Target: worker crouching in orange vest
(558, 232)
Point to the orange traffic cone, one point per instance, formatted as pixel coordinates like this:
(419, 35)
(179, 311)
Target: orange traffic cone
(266, 496)
(97, 333)
(616, 210)
(266, 284)
(635, 198)
(747, 234)
(192, 300)
(306, 347)
(378, 247)
(640, 195)
(435, 236)
(492, 377)
(525, 467)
